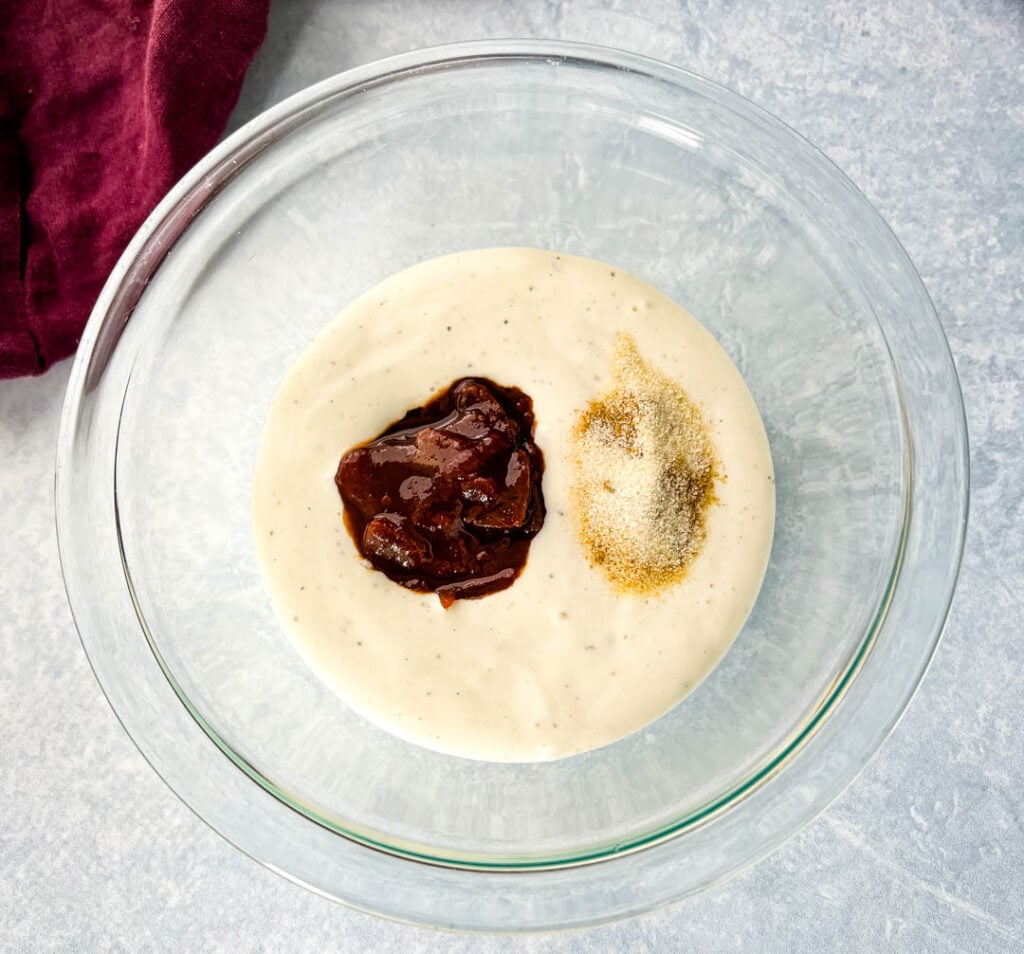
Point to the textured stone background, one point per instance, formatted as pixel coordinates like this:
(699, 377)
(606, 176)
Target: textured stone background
(921, 102)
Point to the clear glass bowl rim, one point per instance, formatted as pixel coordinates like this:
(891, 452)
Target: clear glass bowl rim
(99, 343)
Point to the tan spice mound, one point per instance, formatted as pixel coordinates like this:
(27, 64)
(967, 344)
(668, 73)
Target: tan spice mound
(645, 472)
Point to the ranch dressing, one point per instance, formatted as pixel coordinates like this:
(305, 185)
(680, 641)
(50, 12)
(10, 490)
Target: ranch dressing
(561, 662)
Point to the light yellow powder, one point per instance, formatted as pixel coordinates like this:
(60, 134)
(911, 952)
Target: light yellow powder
(644, 477)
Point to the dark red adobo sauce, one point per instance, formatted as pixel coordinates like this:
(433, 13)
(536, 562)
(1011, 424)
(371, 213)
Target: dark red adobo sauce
(447, 499)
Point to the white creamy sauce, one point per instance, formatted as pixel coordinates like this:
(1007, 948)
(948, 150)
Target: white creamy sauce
(560, 662)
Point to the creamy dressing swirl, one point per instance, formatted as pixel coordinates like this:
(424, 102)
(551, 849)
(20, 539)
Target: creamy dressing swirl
(560, 662)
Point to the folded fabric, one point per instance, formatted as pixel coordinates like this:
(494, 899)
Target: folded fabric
(103, 105)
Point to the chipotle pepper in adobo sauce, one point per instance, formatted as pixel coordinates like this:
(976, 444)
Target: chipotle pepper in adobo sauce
(447, 499)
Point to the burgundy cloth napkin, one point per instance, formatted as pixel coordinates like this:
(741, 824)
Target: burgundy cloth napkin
(104, 104)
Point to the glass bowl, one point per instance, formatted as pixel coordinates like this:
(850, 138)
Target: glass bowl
(582, 150)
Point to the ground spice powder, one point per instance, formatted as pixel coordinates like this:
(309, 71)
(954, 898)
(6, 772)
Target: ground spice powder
(644, 477)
